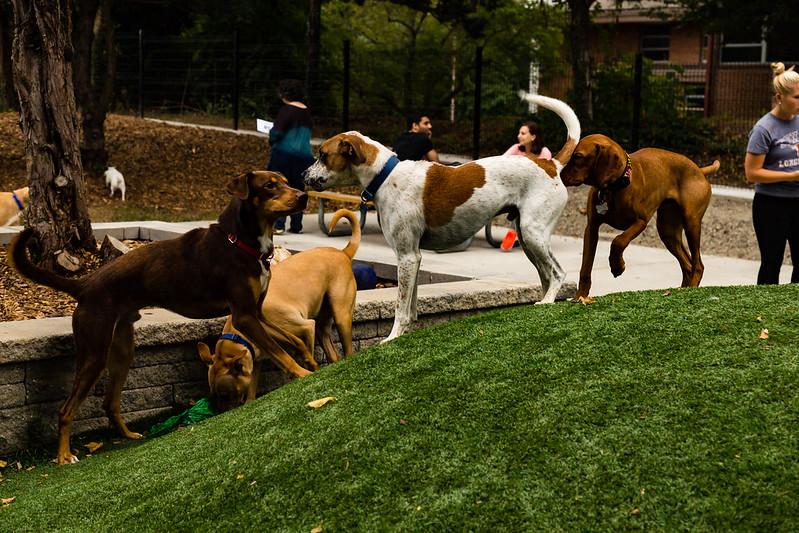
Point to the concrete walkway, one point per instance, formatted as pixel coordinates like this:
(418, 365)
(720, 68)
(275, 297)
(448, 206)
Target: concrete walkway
(647, 268)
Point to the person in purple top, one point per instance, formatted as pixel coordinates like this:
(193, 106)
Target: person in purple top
(772, 164)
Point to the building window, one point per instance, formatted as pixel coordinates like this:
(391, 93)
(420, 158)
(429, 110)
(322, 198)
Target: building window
(655, 42)
(694, 97)
(743, 52)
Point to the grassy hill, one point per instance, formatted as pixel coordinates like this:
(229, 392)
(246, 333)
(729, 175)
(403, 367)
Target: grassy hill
(657, 410)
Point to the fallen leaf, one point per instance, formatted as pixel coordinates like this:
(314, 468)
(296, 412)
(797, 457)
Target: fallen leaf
(3, 464)
(29, 468)
(253, 483)
(316, 404)
(585, 300)
(667, 293)
(636, 511)
(6, 501)
(403, 421)
(93, 446)
(759, 318)
(763, 334)
(239, 476)
(317, 529)
(19, 465)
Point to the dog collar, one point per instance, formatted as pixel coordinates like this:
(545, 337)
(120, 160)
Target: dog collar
(260, 256)
(239, 340)
(368, 194)
(16, 199)
(623, 180)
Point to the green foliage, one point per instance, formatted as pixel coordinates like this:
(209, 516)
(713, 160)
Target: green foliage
(403, 58)
(643, 411)
(665, 120)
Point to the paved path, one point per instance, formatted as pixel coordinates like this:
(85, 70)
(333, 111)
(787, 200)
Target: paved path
(647, 268)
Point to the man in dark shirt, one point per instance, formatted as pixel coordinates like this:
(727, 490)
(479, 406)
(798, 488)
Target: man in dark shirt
(415, 144)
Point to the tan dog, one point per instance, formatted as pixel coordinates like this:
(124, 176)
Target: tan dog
(11, 205)
(205, 273)
(627, 190)
(309, 292)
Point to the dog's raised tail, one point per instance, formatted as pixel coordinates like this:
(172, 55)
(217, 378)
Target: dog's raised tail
(355, 239)
(566, 114)
(18, 257)
(710, 169)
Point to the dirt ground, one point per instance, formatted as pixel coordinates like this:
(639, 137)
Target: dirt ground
(178, 173)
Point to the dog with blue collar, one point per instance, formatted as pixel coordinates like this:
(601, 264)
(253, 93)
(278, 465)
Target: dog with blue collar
(12, 204)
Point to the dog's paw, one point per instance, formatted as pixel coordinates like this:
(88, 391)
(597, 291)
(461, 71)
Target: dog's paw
(67, 459)
(617, 268)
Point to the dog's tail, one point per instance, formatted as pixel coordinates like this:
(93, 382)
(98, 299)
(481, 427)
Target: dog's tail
(355, 240)
(18, 257)
(710, 169)
(566, 114)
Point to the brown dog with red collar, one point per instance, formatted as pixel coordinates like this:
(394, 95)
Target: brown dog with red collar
(309, 292)
(202, 274)
(627, 190)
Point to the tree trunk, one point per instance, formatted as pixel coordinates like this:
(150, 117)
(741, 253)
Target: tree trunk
(579, 24)
(314, 40)
(94, 70)
(9, 94)
(43, 77)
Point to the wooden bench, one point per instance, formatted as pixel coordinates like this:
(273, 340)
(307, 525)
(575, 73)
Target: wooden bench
(340, 197)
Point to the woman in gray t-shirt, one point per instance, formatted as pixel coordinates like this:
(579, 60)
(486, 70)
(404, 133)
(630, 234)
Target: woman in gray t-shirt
(772, 164)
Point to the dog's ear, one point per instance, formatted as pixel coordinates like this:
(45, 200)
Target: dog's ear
(205, 353)
(607, 162)
(240, 186)
(349, 149)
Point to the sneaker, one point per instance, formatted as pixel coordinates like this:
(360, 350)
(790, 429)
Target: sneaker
(279, 231)
(297, 231)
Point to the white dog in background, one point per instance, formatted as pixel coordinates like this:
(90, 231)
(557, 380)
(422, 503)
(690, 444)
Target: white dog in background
(115, 181)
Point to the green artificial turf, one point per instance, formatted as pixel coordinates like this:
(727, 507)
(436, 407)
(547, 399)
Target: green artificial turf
(657, 411)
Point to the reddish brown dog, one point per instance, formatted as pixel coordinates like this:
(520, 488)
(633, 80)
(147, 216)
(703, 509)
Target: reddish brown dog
(202, 274)
(309, 293)
(627, 190)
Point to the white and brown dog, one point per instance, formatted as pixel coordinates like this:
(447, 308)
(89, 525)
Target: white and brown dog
(11, 205)
(432, 206)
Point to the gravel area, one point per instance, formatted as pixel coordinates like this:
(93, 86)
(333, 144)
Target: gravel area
(726, 228)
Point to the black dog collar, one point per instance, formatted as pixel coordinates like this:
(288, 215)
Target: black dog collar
(622, 181)
(619, 183)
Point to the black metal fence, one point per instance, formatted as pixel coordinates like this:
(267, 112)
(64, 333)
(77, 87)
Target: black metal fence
(691, 108)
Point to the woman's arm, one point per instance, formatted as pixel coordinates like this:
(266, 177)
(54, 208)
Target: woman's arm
(755, 173)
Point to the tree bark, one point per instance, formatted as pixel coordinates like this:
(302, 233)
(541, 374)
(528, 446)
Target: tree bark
(314, 45)
(9, 94)
(43, 55)
(579, 25)
(94, 70)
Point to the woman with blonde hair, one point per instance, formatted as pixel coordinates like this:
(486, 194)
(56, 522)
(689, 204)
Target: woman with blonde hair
(772, 164)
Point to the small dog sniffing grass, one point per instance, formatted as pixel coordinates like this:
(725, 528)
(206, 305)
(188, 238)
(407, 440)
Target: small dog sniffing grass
(658, 410)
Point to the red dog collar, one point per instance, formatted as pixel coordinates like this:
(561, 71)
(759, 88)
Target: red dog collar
(260, 256)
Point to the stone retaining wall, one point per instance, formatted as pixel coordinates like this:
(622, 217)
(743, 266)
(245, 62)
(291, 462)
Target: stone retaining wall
(37, 361)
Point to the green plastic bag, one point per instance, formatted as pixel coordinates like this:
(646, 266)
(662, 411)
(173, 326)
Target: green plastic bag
(197, 412)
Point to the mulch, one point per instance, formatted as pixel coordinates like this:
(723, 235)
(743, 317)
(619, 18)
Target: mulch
(178, 170)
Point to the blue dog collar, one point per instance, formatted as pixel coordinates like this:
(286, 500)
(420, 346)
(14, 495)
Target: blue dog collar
(368, 194)
(16, 199)
(238, 339)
